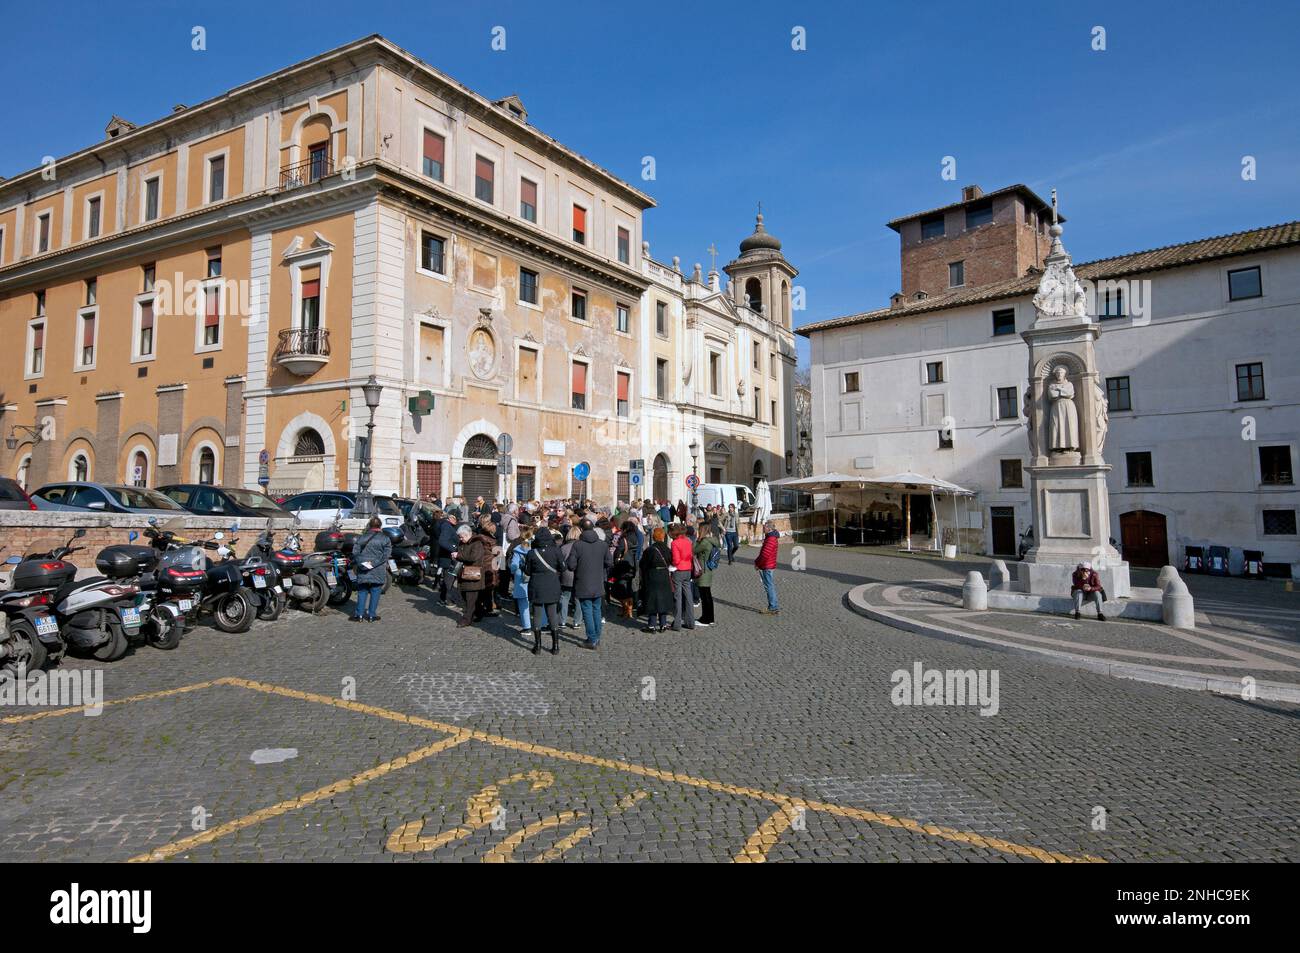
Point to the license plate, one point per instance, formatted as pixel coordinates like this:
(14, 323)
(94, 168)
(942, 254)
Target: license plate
(392, 565)
(47, 625)
(186, 605)
(332, 579)
(279, 587)
(130, 616)
(259, 582)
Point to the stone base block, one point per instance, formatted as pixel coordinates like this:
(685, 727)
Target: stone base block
(1053, 579)
(1142, 604)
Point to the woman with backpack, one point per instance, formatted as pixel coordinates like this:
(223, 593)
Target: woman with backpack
(656, 581)
(708, 554)
(543, 566)
(621, 576)
(370, 556)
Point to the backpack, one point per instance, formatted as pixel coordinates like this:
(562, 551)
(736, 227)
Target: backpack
(714, 560)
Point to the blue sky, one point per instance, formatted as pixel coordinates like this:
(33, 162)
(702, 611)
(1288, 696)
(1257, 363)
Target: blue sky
(1144, 140)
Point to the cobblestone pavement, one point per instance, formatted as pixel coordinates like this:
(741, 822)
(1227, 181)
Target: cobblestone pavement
(761, 737)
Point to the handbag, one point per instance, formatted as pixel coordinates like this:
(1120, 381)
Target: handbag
(696, 569)
(471, 573)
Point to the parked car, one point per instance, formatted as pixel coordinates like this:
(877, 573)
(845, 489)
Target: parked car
(326, 504)
(105, 498)
(13, 496)
(724, 494)
(204, 500)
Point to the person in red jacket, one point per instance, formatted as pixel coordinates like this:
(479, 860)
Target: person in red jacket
(683, 553)
(766, 566)
(1086, 584)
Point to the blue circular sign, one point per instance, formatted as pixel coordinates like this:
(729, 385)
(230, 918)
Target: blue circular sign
(692, 481)
(582, 471)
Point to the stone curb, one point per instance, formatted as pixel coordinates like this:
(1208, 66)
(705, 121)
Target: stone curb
(1196, 681)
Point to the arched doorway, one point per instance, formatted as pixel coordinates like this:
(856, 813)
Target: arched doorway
(1144, 538)
(660, 482)
(759, 473)
(207, 466)
(479, 475)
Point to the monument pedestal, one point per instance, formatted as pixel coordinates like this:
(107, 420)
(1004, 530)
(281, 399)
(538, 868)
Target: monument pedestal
(1072, 517)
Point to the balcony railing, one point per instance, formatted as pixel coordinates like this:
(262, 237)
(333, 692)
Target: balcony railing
(306, 172)
(303, 342)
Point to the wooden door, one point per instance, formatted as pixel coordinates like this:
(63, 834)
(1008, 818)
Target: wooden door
(1002, 519)
(1143, 537)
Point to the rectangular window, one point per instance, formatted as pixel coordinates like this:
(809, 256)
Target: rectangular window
(87, 340)
(624, 245)
(956, 274)
(528, 286)
(981, 213)
(484, 179)
(772, 419)
(216, 178)
(1118, 395)
(92, 291)
(1250, 381)
(319, 158)
(771, 364)
(92, 217)
(852, 382)
(578, 305)
(945, 439)
(715, 374)
(661, 378)
(43, 233)
(1004, 322)
(147, 275)
(435, 148)
(579, 387)
(661, 319)
(40, 304)
(151, 192)
(211, 316)
(433, 253)
(1279, 523)
(1275, 466)
(758, 357)
(934, 372)
(1138, 465)
(1008, 404)
(1244, 283)
(758, 404)
(432, 341)
(214, 262)
(1110, 304)
(528, 200)
(144, 335)
(622, 318)
(579, 224)
(623, 403)
(36, 362)
(932, 227)
(527, 382)
(1012, 474)
(309, 319)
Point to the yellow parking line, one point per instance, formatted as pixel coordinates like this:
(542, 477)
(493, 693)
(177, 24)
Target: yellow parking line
(338, 787)
(56, 712)
(764, 839)
(791, 804)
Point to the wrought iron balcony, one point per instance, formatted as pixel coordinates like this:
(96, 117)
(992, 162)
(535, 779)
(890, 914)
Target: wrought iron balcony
(303, 351)
(306, 172)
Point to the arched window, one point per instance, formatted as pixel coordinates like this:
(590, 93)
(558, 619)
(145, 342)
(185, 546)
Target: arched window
(754, 295)
(140, 469)
(207, 466)
(316, 148)
(759, 472)
(785, 303)
(308, 444)
(660, 486)
(80, 468)
(480, 447)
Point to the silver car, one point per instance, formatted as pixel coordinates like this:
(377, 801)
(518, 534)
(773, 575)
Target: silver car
(106, 498)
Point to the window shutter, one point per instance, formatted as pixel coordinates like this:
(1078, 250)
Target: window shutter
(212, 316)
(579, 378)
(623, 386)
(483, 168)
(579, 218)
(433, 146)
(311, 289)
(88, 331)
(38, 336)
(146, 316)
(528, 192)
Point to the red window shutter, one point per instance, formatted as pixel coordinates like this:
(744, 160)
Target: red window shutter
(433, 146)
(580, 378)
(146, 315)
(212, 317)
(623, 386)
(88, 332)
(483, 168)
(311, 289)
(528, 192)
(579, 218)
(38, 336)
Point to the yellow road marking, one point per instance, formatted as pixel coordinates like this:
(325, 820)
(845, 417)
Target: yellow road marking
(480, 811)
(764, 839)
(56, 712)
(338, 787)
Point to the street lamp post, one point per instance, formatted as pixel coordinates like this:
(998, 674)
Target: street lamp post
(694, 448)
(11, 441)
(365, 507)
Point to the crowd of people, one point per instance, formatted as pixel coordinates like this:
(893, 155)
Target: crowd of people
(556, 562)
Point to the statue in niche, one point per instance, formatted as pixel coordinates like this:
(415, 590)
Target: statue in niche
(1031, 422)
(1103, 415)
(1063, 418)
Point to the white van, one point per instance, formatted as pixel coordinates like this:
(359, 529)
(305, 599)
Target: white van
(724, 494)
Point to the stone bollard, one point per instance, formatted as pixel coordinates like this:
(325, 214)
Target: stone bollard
(1176, 605)
(999, 575)
(1166, 573)
(974, 593)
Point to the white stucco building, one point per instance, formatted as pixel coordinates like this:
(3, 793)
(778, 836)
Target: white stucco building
(1198, 349)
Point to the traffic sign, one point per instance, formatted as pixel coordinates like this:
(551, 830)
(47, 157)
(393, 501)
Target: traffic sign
(505, 463)
(635, 479)
(505, 443)
(692, 482)
(582, 471)
(263, 458)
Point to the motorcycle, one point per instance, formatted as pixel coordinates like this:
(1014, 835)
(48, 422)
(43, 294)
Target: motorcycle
(305, 588)
(29, 629)
(410, 560)
(334, 556)
(221, 593)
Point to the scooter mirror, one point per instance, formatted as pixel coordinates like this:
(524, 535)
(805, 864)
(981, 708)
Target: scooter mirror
(14, 560)
(132, 536)
(218, 535)
(153, 521)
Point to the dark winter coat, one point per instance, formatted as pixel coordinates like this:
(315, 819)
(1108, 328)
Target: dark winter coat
(475, 551)
(447, 541)
(656, 583)
(543, 566)
(373, 549)
(589, 559)
(566, 574)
